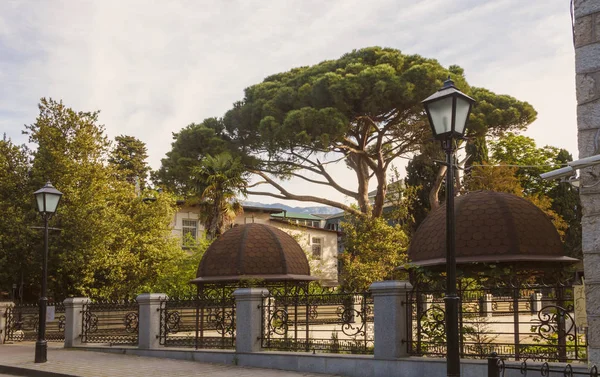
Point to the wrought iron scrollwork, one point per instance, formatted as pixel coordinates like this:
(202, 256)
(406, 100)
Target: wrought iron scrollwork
(90, 322)
(131, 322)
(278, 322)
(222, 320)
(549, 322)
(61, 323)
(348, 317)
(172, 322)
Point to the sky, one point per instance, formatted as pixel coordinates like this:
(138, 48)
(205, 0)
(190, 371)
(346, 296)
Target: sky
(153, 67)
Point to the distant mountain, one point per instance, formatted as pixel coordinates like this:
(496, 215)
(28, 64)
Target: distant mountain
(322, 210)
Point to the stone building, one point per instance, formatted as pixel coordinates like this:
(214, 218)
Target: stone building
(319, 243)
(587, 69)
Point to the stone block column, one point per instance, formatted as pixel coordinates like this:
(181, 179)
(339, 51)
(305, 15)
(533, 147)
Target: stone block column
(248, 326)
(73, 320)
(536, 302)
(587, 80)
(391, 333)
(4, 307)
(149, 320)
(487, 307)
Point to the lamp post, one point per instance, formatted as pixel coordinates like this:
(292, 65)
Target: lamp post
(47, 199)
(448, 110)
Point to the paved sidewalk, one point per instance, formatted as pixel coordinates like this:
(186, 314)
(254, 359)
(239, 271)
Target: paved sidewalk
(18, 360)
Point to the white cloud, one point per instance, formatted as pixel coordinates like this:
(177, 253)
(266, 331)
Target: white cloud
(154, 67)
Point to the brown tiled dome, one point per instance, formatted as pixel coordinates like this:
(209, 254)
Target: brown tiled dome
(253, 251)
(490, 227)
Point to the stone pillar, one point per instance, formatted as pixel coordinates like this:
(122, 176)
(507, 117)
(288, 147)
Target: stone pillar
(587, 69)
(391, 320)
(149, 320)
(536, 302)
(248, 307)
(4, 306)
(426, 302)
(487, 307)
(73, 320)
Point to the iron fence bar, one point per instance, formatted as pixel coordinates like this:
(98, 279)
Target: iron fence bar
(515, 303)
(562, 337)
(307, 315)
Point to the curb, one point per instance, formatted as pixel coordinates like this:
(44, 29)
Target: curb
(19, 371)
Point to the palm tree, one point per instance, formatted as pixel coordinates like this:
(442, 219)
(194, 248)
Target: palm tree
(219, 181)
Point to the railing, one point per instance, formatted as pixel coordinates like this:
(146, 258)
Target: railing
(336, 322)
(535, 323)
(498, 368)
(22, 322)
(207, 322)
(114, 322)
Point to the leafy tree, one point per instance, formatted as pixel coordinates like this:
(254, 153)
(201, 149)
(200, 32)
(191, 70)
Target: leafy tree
(190, 146)
(112, 244)
(363, 109)
(129, 158)
(421, 173)
(16, 206)
(373, 249)
(220, 181)
(521, 151)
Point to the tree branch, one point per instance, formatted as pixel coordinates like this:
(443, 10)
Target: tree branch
(303, 198)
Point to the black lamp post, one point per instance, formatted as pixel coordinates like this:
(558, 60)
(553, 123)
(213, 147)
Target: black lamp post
(448, 110)
(47, 199)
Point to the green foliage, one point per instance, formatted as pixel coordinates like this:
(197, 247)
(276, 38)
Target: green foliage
(421, 175)
(363, 109)
(219, 181)
(129, 158)
(16, 206)
(182, 269)
(515, 149)
(190, 146)
(373, 249)
(112, 244)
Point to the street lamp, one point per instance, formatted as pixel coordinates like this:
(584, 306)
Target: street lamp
(448, 110)
(47, 199)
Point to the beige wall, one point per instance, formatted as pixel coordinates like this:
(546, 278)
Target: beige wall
(326, 268)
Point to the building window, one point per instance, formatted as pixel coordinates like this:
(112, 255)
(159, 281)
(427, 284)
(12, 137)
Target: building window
(317, 247)
(189, 231)
(316, 224)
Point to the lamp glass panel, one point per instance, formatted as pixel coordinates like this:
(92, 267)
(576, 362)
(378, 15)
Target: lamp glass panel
(52, 202)
(39, 198)
(462, 112)
(441, 115)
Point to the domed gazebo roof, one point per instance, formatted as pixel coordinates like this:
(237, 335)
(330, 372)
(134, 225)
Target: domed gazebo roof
(253, 251)
(491, 227)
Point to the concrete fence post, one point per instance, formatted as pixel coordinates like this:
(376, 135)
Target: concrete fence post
(426, 302)
(248, 326)
(487, 301)
(536, 302)
(149, 320)
(4, 308)
(73, 320)
(391, 332)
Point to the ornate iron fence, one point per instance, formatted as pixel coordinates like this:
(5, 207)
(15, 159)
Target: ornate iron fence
(532, 322)
(498, 368)
(335, 322)
(114, 322)
(199, 322)
(22, 322)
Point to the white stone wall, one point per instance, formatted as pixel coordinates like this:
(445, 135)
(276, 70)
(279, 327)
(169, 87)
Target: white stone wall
(587, 68)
